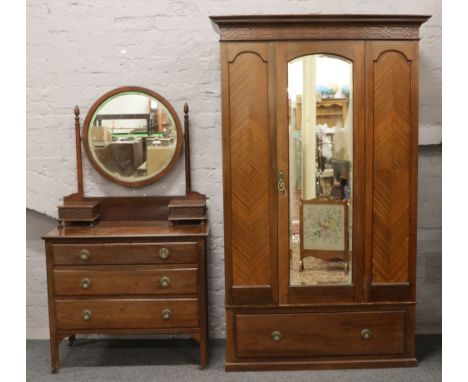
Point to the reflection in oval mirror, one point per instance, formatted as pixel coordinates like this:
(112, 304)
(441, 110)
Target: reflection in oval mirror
(132, 138)
(320, 169)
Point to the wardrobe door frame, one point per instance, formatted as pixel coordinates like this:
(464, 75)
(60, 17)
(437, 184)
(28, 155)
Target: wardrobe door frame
(265, 294)
(392, 290)
(353, 51)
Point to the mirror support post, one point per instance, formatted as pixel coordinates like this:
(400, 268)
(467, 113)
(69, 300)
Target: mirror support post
(188, 179)
(79, 164)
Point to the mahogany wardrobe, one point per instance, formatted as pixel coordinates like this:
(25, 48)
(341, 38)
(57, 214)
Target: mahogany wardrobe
(320, 159)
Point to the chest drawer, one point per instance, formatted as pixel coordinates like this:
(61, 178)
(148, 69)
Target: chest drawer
(320, 334)
(126, 313)
(141, 281)
(125, 253)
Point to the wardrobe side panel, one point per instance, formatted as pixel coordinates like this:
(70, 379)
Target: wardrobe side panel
(247, 150)
(392, 102)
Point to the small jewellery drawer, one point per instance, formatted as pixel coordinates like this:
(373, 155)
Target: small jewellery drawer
(134, 281)
(126, 313)
(320, 334)
(125, 253)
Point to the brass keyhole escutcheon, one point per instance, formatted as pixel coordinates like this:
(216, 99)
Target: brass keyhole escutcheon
(276, 335)
(85, 283)
(84, 254)
(366, 334)
(281, 182)
(164, 253)
(86, 315)
(165, 281)
(166, 314)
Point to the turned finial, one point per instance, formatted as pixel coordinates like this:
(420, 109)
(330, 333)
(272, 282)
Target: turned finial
(76, 110)
(186, 108)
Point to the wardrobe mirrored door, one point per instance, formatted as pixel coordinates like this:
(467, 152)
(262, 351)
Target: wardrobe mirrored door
(320, 132)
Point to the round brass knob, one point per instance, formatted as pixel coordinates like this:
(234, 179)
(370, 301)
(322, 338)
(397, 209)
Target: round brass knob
(86, 315)
(165, 281)
(163, 253)
(366, 334)
(85, 283)
(166, 314)
(84, 254)
(276, 335)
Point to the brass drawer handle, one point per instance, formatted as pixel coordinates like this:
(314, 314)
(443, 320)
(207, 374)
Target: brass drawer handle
(165, 281)
(276, 335)
(166, 314)
(84, 254)
(86, 315)
(366, 334)
(85, 283)
(163, 253)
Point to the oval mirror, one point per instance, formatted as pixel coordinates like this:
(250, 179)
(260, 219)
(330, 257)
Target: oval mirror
(132, 136)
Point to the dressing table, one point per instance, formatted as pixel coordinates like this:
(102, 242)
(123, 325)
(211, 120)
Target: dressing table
(129, 265)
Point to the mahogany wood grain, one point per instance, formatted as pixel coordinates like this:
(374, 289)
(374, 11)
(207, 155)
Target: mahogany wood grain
(124, 267)
(110, 278)
(316, 363)
(54, 338)
(341, 307)
(124, 281)
(125, 253)
(188, 175)
(126, 313)
(318, 27)
(120, 230)
(390, 292)
(392, 173)
(202, 304)
(126, 208)
(249, 136)
(190, 332)
(255, 51)
(298, 362)
(321, 334)
(79, 161)
(227, 200)
(252, 294)
(249, 180)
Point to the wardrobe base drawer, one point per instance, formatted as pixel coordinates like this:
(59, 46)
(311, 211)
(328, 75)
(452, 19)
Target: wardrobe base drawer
(126, 313)
(320, 334)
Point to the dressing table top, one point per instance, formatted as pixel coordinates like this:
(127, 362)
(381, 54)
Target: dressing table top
(129, 229)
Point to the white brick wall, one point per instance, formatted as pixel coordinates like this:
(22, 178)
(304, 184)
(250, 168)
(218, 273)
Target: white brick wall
(79, 49)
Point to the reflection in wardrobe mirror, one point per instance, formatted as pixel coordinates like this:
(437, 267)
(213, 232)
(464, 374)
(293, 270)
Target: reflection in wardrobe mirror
(320, 169)
(133, 138)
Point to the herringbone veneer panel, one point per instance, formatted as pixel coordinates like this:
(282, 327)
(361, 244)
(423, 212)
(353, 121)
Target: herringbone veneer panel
(250, 167)
(392, 163)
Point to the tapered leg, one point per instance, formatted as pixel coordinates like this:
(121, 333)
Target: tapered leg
(54, 353)
(203, 353)
(71, 339)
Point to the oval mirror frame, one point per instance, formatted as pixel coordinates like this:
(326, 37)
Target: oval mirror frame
(87, 144)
